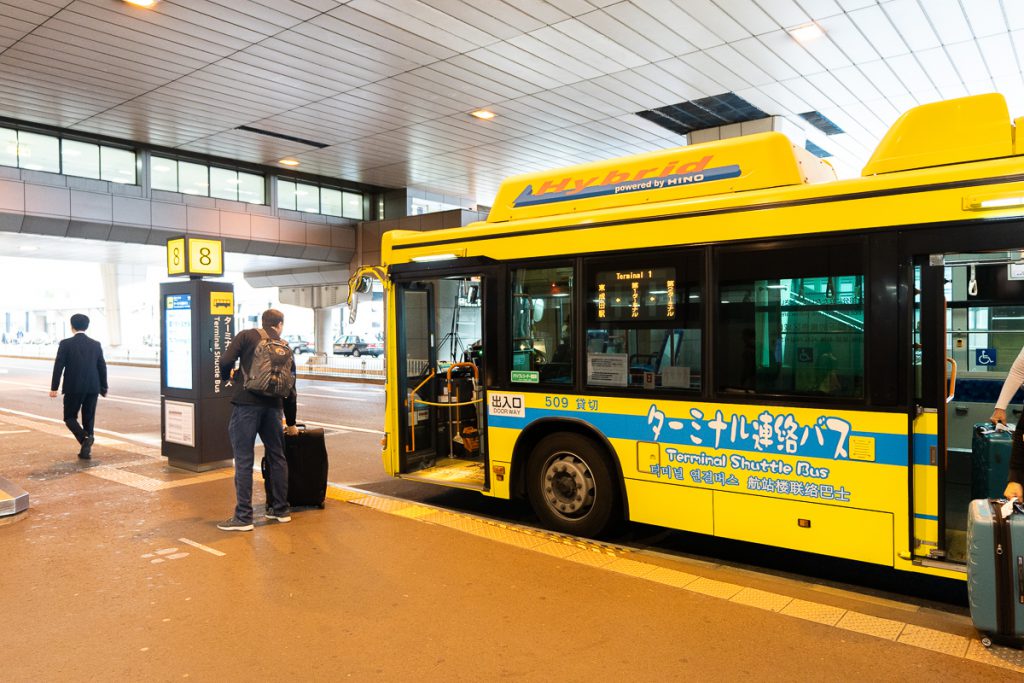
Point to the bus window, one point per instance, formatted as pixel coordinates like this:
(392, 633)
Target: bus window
(542, 324)
(791, 322)
(644, 321)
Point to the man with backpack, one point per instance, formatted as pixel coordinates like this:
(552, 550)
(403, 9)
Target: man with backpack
(264, 385)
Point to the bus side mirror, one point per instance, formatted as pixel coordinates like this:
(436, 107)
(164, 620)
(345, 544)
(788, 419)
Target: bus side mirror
(364, 284)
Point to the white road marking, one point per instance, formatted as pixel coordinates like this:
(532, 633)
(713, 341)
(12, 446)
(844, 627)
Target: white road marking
(133, 401)
(202, 547)
(336, 398)
(137, 438)
(343, 428)
(17, 431)
(352, 391)
(135, 379)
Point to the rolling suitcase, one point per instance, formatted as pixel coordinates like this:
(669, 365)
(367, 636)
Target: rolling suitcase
(990, 460)
(995, 572)
(306, 454)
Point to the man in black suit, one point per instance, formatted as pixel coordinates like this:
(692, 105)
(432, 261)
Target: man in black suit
(85, 377)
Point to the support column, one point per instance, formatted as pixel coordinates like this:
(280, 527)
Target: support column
(111, 302)
(322, 330)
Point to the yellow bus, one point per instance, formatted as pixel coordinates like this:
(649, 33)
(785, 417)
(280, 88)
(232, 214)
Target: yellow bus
(724, 339)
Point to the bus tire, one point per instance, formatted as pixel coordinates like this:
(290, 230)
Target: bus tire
(570, 486)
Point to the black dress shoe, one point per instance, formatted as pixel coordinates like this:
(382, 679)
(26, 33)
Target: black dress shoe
(84, 454)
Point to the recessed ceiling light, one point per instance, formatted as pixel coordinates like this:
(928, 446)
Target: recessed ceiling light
(482, 114)
(289, 162)
(807, 32)
(142, 3)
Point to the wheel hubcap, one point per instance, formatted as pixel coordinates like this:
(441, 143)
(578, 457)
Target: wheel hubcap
(568, 485)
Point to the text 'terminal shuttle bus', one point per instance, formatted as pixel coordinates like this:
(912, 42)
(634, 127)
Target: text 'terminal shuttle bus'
(724, 339)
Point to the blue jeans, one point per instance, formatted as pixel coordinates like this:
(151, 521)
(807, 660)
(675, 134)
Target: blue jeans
(246, 422)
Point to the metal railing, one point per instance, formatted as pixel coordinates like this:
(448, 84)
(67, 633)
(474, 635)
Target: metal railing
(315, 364)
(321, 364)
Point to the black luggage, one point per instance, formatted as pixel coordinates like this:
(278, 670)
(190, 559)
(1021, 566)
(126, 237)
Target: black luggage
(991, 449)
(307, 468)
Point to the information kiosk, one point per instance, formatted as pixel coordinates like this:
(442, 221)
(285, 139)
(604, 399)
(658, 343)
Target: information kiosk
(196, 326)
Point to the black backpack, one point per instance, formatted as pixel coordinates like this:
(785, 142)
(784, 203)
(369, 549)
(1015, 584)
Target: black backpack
(271, 371)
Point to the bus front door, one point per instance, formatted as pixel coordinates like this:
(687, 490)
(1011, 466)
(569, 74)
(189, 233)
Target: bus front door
(440, 341)
(968, 329)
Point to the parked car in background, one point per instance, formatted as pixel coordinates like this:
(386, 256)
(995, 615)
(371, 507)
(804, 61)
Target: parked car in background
(355, 346)
(299, 344)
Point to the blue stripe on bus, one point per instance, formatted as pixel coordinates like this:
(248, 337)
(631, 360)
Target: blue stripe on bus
(923, 444)
(889, 449)
(918, 515)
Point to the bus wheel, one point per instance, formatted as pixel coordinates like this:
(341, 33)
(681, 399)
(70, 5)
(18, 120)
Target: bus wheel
(570, 486)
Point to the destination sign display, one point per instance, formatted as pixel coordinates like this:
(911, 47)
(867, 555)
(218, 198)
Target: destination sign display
(635, 294)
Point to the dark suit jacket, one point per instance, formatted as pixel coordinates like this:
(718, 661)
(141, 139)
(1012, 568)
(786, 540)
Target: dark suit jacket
(81, 361)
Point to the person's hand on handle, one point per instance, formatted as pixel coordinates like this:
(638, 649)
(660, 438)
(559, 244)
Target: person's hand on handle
(53, 394)
(291, 430)
(998, 416)
(1014, 490)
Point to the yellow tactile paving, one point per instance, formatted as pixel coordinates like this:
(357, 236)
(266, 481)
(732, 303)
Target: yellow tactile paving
(997, 655)
(813, 611)
(671, 577)
(594, 554)
(714, 588)
(871, 625)
(342, 494)
(414, 512)
(937, 641)
(753, 597)
(382, 504)
(504, 534)
(591, 558)
(628, 567)
(557, 549)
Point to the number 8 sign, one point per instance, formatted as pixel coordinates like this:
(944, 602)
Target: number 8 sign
(195, 257)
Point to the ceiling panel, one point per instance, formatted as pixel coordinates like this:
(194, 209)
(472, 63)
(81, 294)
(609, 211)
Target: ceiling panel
(388, 85)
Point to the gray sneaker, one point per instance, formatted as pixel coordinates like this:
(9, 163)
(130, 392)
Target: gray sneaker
(282, 516)
(234, 524)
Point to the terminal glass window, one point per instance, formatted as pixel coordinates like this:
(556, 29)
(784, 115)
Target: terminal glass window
(223, 183)
(352, 206)
(163, 174)
(285, 195)
(116, 165)
(791, 321)
(542, 335)
(210, 181)
(80, 159)
(251, 188)
(645, 321)
(38, 152)
(328, 201)
(8, 147)
(193, 178)
(307, 198)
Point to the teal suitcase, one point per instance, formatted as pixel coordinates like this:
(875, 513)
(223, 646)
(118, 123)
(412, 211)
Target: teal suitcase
(990, 461)
(995, 572)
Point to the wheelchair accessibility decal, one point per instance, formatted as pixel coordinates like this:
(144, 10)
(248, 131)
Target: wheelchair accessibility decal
(984, 357)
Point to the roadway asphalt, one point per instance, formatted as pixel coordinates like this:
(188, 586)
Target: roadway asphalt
(118, 570)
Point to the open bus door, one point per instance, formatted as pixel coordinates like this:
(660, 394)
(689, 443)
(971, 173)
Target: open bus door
(442, 329)
(968, 329)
